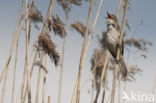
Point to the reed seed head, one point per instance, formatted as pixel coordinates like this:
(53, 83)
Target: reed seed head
(44, 43)
(58, 26)
(79, 27)
(35, 15)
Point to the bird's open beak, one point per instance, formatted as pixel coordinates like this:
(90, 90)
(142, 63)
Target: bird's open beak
(108, 16)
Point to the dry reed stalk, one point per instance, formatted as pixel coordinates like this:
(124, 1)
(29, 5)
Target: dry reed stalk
(119, 86)
(42, 54)
(4, 86)
(49, 99)
(153, 90)
(45, 45)
(44, 87)
(97, 62)
(92, 30)
(27, 51)
(83, 51)
(47, 15)
(62, 64)
(154, 85)
(93, 70)
(44, 81)
(108, 98)
(119, 8)
(14, 39)
(18, 95)
(33, 64)
(39, 77)
(124, 90)
(101, 79)
(105, 85)
(29, 32)
(23, 84)
(5, 70)
(1, 76)
(113, 87)
(118, 52)
(61, 71)
(31, 71)
(92, 92)
(74, 93)
(14, 75)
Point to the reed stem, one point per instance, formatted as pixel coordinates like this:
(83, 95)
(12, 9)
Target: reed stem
(119, 51)
(62, 64)
(14, 75)
(83, 51)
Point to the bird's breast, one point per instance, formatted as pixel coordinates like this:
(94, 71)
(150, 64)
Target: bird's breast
(113, 38)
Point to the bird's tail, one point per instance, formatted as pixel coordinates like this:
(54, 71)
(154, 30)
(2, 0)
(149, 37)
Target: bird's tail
(122, 66)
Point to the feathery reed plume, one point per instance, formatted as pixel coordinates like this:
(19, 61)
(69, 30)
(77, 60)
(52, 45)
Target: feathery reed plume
(37, 63)
(49, 24)
(132, 71)
(127, 25)
(58, 26)
(79, 27)
(42, 52)
(35, 15)
(76, 2)
(102, 41)
(66, 4)
(100, 75)
(99, 64)
(140, 44)
(44, 43)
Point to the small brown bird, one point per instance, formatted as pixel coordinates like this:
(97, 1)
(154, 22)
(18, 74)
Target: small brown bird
(112, 41)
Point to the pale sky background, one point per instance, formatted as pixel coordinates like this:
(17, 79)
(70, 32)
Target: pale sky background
(141, 10)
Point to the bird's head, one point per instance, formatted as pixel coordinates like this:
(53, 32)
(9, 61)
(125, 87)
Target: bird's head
(112, 20)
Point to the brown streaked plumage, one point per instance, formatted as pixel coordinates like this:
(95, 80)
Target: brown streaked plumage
(112, 41)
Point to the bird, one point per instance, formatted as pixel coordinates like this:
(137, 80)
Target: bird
(112, 41)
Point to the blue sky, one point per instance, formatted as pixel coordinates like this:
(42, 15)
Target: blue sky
(141, 10)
